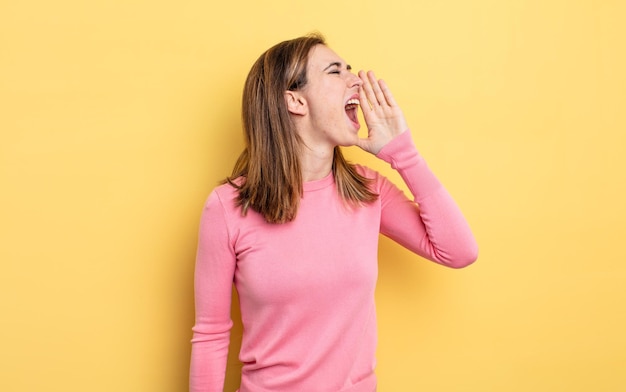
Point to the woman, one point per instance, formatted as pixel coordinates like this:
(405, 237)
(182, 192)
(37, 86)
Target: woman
(296, 227)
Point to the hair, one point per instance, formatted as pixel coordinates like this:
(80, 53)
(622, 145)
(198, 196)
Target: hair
(268, 173)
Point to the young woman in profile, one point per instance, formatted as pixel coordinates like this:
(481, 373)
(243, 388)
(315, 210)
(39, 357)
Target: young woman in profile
(295, 227)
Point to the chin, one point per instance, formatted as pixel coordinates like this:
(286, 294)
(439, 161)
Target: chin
(350, 141)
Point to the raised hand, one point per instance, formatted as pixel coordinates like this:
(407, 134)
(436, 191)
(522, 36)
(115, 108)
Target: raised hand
(383, 116)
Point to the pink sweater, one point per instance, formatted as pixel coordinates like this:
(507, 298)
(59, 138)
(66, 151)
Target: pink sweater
(306, 287)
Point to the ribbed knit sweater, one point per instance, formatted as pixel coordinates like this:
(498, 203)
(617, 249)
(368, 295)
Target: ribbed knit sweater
(306, 288)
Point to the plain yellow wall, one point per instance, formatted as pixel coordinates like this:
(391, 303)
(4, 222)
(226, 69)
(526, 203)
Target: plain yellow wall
(117, 118)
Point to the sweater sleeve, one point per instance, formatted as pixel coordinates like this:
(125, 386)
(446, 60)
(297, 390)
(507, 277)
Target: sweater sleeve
(214, 271)
(432, 225)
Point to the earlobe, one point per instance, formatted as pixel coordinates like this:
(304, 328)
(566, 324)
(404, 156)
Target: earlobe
(296, 104)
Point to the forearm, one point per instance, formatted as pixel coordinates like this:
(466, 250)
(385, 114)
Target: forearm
(433, 225)
(208, 362)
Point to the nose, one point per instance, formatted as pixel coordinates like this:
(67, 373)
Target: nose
(354, 80)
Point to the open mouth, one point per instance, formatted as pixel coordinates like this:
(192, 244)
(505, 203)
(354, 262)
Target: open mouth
(351, 110)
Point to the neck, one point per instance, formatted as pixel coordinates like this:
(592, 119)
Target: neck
(316, 164)
(316, 157)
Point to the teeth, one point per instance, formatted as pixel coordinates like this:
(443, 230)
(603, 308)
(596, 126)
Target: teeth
(353, 101)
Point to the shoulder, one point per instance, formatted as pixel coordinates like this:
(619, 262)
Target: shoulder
(379, 183)
(366, 171)
(369, 173)
(377, 180)
(223, 197)
(226, 190)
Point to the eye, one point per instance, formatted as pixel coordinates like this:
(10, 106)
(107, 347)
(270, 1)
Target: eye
(335, 72)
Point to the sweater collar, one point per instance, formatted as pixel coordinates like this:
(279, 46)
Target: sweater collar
(319, 184)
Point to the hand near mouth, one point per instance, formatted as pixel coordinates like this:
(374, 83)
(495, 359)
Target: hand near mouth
(383, 116)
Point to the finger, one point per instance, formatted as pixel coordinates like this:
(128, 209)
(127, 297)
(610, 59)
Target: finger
(367, 90)
(366, 107)
(387, 92)
(380, 97)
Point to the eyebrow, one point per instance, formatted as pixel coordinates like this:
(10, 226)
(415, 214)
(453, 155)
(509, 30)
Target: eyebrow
(337, 64)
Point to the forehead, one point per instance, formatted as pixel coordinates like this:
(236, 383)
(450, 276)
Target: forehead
(322, 56)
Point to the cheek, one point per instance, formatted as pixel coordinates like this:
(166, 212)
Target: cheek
(326, 103)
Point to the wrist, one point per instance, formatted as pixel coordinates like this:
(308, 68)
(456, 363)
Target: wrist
(399, 150)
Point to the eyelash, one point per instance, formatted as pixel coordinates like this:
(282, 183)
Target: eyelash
(335, 72)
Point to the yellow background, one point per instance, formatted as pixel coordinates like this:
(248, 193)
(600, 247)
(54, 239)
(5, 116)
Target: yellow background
(117, 118)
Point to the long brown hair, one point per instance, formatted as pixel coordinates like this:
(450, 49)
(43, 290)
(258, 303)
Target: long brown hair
(268, 169)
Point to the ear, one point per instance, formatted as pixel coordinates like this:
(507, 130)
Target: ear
(296, 104)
